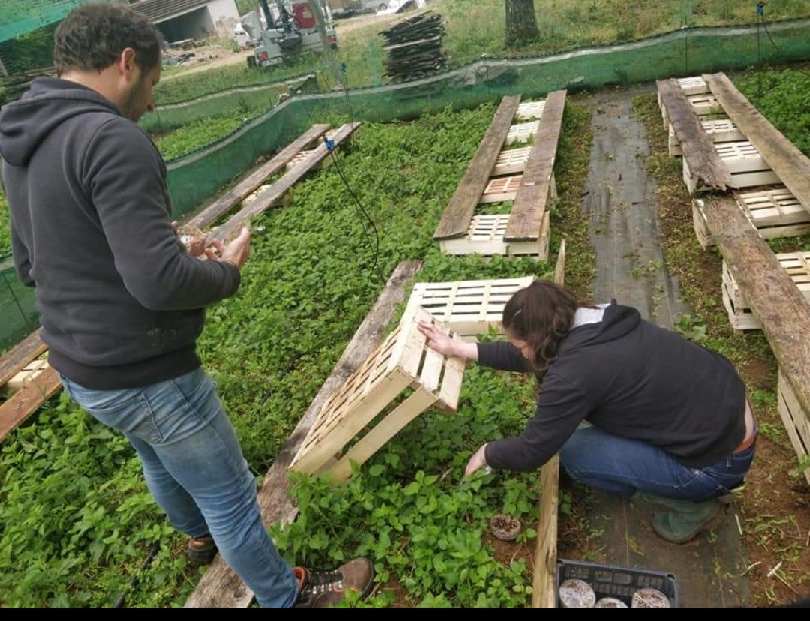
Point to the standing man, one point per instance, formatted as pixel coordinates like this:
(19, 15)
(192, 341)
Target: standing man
(122, 300)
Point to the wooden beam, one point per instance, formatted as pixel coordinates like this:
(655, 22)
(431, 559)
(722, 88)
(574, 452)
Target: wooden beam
(773, 296)
(220, 587)
(20, 356)
(28, 400)
(698, 149)
(544, 591)
(269, 197)
(529, 208)
(789, 164)
(249, 184)
(456, 218)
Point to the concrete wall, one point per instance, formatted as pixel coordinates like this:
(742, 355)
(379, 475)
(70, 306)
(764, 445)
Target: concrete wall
(224, 16)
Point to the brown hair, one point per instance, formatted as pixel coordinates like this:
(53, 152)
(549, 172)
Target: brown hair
(541, 315)
(94, 35)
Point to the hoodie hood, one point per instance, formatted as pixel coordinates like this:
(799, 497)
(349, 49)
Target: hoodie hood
(617, 322)
(27, 122)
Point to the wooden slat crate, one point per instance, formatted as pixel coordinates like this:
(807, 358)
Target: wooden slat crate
(522, 132)
(744, 162)
(693, 86)
(530, 111)
(486, 237)
(796, 264)
(401, 363)
(704, 105)
(31, 371)
(511, 161)
(468, 308)
(300, 158)
(795, 420)
(500, 189)
(775, 212)
(718, 130)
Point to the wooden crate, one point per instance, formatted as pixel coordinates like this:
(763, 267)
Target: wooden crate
(500, 189)
(796, 264)
(486, 237)
(745, 163)
(702, 232)
(690, 87)
(522, 132)
(31, 371)
(401, 363)
(718, 130)
(512, 161)
(468, 308)
(795, 419)
(775, 212)
(530, 110)
(704, 105)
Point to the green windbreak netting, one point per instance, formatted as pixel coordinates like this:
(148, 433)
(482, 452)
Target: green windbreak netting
(18, 317)
(200, 175)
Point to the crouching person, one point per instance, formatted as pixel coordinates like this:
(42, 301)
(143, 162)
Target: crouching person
(668, 419)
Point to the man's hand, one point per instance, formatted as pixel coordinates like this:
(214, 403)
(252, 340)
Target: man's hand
(476, 462)
(237, 252)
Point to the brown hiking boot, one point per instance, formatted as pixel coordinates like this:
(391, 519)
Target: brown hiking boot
(201, 550)
(325, 589)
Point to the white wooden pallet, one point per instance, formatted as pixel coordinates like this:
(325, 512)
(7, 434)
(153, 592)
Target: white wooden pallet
(401, 363)
(775, 212)
(718, 130)
(301, 157)
(512, 161)
(32, 370)
(500, 189)
(747, 167)
(468, 308)
(704, 105)
(522, 132)
(530, 110)
(486, 237)
(694, 86)
(795, 419)
(796, 264)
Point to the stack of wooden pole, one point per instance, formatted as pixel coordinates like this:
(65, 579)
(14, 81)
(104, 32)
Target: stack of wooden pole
(414, 48)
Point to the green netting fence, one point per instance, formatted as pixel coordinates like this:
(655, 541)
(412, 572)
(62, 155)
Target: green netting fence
(202, 174)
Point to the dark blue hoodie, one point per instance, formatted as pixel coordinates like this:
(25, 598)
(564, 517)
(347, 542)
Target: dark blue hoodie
(631, 379)
(121, 302)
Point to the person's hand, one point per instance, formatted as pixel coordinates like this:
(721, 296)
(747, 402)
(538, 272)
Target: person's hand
(237, 252)
(437, 340)
(476, 462)
(214, 249)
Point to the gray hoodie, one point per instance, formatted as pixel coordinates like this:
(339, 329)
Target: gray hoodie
(121, 302)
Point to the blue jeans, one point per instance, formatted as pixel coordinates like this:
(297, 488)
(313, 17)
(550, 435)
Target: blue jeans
(194, 468)
(621, 466)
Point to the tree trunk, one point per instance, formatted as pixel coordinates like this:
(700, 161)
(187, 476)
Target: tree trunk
(521, 23)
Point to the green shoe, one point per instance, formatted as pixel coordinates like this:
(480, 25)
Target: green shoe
(686, 520)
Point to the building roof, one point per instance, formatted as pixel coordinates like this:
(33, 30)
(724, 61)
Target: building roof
(162, 10)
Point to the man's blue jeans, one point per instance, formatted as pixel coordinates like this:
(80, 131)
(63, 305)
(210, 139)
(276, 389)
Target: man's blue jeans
(621, 466)
(194, 468)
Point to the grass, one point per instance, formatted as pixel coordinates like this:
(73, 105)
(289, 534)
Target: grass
(189, 138)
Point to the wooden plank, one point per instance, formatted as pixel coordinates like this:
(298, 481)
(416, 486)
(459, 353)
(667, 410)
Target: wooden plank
(774, 298)
(789, 164)
(20, 356)
(386, 429)
(795, 420)
(544, 592)
(28, 400)
(529, 209)
(220, 587)
(456, 218)
(704, 164)
(275, 192)
(249, 184)
(31, 371)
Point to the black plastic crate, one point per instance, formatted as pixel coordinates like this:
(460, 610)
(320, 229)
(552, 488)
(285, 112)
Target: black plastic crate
(617, 582)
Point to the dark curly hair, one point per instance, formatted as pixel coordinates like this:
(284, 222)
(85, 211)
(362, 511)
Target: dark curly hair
(541, 315)
(94, 35)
